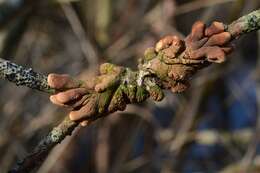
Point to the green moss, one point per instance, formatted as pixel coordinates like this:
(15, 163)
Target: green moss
(104, 100)
(130, 91)
(118, 101)
(141, 94)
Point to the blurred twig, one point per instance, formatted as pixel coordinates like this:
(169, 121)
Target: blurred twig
(198, 4)
(86, 47)
(252, 148)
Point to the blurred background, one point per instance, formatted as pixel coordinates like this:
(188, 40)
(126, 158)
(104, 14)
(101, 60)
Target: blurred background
(212, 127)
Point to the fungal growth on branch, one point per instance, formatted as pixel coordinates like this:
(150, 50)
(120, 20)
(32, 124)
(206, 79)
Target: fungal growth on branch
(169, 65)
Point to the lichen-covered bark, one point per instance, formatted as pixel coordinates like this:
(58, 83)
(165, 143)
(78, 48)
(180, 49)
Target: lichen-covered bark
(22, 76)
(34, 159)
(245, 24)
(167, 66)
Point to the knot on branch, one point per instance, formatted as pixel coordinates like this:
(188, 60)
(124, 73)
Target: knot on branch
(169, 65)
(202, 47)
(174, 60)
(112, 90)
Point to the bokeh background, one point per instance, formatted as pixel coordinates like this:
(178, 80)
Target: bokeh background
(212, 127)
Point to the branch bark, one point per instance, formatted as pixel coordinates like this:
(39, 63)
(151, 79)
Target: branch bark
(145, 82)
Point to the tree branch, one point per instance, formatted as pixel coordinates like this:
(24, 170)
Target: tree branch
(245, 24)
(126, 86)
(25, 77)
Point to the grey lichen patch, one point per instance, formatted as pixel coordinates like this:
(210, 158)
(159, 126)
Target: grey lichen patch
(141, 76)
(245, 24)
(131, 87)
(251, 21)
(58, 133)
(55, 135)
(22, 76)
(129, 77)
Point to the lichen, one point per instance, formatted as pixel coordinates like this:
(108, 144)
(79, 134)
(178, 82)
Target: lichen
(170, 66)
(22, 76)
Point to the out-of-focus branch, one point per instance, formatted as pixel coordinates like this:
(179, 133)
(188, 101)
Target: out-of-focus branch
(10, 10)
(42, 150)
(121, 85)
